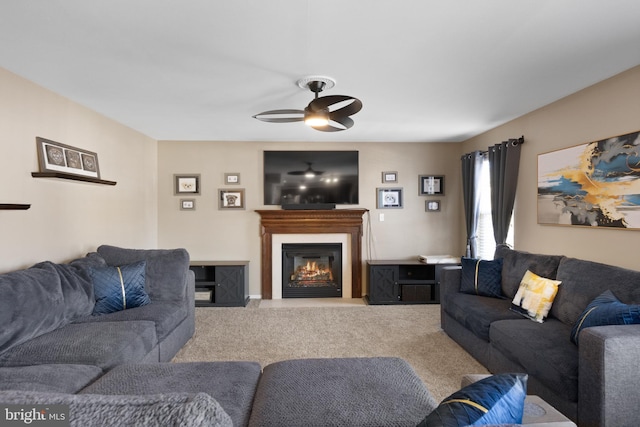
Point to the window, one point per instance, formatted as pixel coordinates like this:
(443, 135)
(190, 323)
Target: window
(486, 242)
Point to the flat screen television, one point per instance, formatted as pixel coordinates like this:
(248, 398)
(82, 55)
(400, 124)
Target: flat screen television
(310, 178)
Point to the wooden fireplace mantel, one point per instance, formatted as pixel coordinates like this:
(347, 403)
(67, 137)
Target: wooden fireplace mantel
(276, 221)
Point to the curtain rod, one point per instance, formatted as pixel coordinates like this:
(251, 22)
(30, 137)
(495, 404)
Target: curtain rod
(514, 141)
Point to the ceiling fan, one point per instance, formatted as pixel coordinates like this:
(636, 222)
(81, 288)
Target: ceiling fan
(309, 172)
(325, 113)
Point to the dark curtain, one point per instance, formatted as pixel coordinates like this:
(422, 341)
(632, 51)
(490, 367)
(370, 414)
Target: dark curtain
(504, 163)
(471, 171)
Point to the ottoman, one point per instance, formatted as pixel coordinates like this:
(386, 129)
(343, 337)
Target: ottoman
(383, 391)
(231, 384)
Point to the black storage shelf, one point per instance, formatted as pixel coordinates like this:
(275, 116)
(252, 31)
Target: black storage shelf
(404, 282)
(221, 283)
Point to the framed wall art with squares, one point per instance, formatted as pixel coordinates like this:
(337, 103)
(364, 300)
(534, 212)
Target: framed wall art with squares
(431, 185)
(186, 184)
(231, 199)
(389, 198)
(57, 157)
(432, 206)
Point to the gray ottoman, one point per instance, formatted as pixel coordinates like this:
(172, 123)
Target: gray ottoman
(231, 384)
(380, 391)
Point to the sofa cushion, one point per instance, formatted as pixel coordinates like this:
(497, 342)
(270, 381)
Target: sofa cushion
(58, 378)
(103, 344)
(535, 296)
(481, 277)
(498, 399)
(516, 263)
(231, 384)
(119, 288)
(41, 299)
(606, 309)
(543, 349)
(166, 315)
(171, 409)
(477, 313)
(582, 281)
(166, 269)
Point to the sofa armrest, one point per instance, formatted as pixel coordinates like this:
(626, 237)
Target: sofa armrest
(608, 385)
(450, 280)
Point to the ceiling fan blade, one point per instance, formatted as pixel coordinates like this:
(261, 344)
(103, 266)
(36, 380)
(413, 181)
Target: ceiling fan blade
(280, 116)
(327, 101)
(344, 122)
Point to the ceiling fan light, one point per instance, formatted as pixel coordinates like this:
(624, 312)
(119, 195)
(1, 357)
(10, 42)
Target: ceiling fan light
(316, 118)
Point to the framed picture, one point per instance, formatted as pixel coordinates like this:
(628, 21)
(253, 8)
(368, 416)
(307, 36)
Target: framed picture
(231, 199)
(431, 185)
(432, 205)
(232, 178)
(187, 204)
(596, 184)
(389, 177)
(187, 184)
(389, 198)
(56, 157)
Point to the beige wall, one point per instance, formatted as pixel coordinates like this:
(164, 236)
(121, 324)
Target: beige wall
(609, 108)
(211, 234)
(68, 218)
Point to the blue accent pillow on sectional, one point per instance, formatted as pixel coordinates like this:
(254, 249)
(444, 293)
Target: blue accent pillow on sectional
(481, 277)
(498, 399)
(605, 309)
(119, 288)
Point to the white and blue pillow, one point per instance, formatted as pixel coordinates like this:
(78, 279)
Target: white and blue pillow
(119, 288)
(605, 309)
(498, 399)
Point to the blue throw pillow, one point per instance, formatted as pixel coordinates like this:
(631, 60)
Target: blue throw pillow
(498, 399)
(481, 277)
(119, 288)
(605, 309)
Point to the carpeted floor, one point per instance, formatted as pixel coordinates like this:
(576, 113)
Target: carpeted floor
(267, 335)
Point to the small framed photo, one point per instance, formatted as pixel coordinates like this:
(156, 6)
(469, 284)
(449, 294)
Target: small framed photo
(57, 157)
(389, 198)
(231, 199)
(432, 205)
(232, 178)
(431, 185)
(186, 184)
(389, 177)
(187, 204)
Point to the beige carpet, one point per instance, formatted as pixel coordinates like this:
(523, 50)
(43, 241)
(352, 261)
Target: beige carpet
(267, 335)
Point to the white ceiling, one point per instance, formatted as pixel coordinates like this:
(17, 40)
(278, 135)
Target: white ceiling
(425, 70)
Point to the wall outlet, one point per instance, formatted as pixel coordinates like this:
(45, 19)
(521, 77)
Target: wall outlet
(381, 217)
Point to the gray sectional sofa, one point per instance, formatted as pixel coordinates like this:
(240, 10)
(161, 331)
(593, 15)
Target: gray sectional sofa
(593, 383)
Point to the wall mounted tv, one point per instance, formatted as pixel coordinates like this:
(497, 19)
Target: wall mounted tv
(310, 178)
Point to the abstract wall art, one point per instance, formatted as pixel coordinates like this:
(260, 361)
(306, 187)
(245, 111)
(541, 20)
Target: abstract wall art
(593, 185)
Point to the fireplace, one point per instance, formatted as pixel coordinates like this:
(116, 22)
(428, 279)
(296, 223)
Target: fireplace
(311, 270)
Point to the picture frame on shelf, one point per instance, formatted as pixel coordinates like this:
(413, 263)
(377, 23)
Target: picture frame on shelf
(389, 177)
(187, 204)
(390, 198)
(431, 185)
(57, 157)
(432, 205)
(231, 199)
(186, 184)
(232, 178)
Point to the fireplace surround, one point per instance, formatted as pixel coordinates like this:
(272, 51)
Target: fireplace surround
(345, 221)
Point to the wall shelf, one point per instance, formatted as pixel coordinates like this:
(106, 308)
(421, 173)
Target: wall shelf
(72, 177)
(14, 206)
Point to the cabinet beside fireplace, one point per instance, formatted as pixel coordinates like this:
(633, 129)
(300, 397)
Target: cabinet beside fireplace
(221, 283)
(403, 282)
